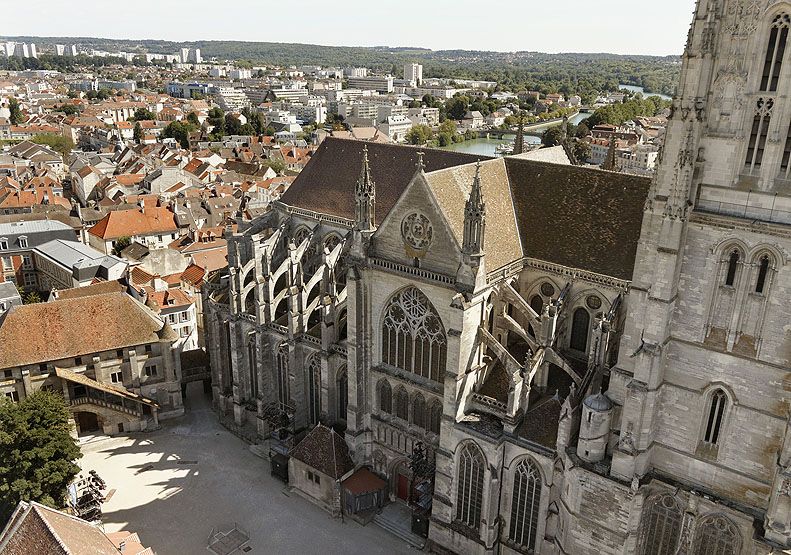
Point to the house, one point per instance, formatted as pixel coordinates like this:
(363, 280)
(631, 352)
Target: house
(18, 240)
(112, 357)
(36, 528)
(473, 120)
(395, 127)
(63, 264)
(178, 309)
(9, 297)
(317, 465)
(152, 226)
(84, 181)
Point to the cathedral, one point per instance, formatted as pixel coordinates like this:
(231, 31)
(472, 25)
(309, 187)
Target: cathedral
(537, 357)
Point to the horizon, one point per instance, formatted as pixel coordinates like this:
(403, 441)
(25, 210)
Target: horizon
(608, 30)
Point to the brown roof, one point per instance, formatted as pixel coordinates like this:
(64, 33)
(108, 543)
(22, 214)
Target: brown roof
(45, 332)
(327, 183)
(325, 451)
(363, 481)
(96, 289)
(127, 223)
(578, 217)
(35, 528)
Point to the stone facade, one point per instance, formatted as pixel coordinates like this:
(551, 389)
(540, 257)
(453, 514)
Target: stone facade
(585, 407)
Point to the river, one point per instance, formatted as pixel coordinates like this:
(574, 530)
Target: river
(641, 90)
(486, 147)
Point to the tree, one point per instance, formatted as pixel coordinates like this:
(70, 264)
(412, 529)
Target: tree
(142, 114)
(419, 135)
(457, 107)
(31, 298)
(278, 166)
(232, 125)
(37, 452)
(179, 130)
(192, 117)
(137, 134)
(16, 113)
(60, 144)
(247, 129)
(582, 151)
(68, 109)
(120, 244)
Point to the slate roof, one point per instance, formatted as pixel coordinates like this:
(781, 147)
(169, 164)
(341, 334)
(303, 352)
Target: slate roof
(327, 182)
(325, 451)
(578, 217)
(45, 332)
(540, 424)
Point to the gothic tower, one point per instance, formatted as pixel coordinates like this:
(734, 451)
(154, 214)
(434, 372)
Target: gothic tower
(702, 373)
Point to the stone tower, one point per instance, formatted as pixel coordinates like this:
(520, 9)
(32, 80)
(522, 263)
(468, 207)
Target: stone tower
(705, 336)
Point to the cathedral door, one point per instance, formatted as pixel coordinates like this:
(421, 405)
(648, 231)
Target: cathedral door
(403, 487)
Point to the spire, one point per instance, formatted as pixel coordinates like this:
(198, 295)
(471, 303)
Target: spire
(420, 165)
(474, 217)
(609, 160)
(365, 195)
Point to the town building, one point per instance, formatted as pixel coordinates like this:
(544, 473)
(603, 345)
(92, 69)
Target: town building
(112, 357)
(413, 73)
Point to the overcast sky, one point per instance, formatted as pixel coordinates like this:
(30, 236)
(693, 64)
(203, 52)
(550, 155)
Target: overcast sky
(616, 26)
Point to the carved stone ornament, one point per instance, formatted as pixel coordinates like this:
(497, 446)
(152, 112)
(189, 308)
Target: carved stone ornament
(417, 231)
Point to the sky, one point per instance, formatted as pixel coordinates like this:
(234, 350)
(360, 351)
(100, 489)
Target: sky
(614, 26)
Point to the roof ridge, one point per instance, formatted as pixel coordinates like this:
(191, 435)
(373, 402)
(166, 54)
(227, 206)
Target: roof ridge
(36, 507)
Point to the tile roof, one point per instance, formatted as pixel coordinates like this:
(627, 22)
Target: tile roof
(325, 451)
(95, 289)
(327, 183)
(35, 528)
(127, 223)
(46, 332)
(578, 217)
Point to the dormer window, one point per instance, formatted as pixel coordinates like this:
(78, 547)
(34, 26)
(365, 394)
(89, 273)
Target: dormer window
(23, 242)
(3, 243)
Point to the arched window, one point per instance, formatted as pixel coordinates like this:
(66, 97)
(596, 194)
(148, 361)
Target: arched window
(331, 241)
(716, 535)
(282, 376)
(402, 403)
(660, 525)
(469, 494)
(717, 406)
(733, 266)
(314, 389)
(525, 504)
(758, 134)
(435, 417)
(537, 304)
(342, 388)
(385, 397)
(775, 50)
(413, 337)
(419, 411)
(252, 360)
(580, 324)
(763, 270)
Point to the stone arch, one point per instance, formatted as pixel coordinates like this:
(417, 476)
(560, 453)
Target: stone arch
(715, 534)
(413, 336)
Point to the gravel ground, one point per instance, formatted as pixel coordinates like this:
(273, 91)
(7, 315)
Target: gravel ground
(174, 486)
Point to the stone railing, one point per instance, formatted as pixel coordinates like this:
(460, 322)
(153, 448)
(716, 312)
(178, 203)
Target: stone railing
(412, 271)
(489, 404)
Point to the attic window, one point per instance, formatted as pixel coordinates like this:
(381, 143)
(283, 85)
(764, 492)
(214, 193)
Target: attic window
(3, 244)
(23, 242)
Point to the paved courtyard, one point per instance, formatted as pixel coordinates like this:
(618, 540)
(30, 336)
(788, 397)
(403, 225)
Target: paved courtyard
(175, 485)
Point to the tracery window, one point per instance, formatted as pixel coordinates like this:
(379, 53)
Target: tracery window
(385, 397)
(413, 337)
(314, 389)
(537, 304)
(331, 241)
(435, 417)
(580, 325)
(283, 394)
(402, 404)
(716, 535)
(717, 405)
(525, 504)
(660, 525)
(419, 411)
(758, 134)
(469, 496)
(775, 50)
(342, 388)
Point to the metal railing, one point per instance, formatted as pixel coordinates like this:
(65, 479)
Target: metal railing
(772, 215)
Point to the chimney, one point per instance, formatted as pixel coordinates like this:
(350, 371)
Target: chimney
(142, 203)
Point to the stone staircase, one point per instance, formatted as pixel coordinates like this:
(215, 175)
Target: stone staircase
(397, 520)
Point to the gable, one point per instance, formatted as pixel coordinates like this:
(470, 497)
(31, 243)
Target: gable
(416, 228)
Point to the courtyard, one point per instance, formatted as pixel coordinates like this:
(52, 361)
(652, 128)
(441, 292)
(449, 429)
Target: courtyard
(191, 479)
